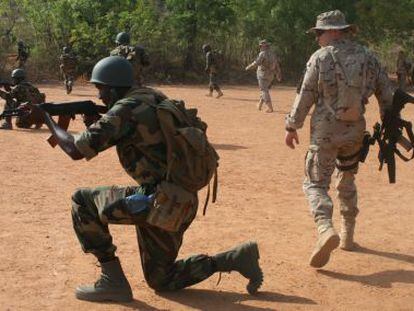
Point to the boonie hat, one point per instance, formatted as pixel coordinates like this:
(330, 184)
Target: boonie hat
(332, 20)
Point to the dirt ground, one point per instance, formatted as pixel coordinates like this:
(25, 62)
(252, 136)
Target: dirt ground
(260, 198)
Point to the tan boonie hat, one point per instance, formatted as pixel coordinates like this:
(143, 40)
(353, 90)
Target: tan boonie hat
(331, 20)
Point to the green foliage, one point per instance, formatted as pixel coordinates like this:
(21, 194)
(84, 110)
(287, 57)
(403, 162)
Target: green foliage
(174, 30)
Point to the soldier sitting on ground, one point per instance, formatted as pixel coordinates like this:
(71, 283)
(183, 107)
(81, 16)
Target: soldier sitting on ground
(21, 92)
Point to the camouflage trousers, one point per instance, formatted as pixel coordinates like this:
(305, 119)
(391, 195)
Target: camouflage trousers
(213, 85)
(402, 80)
(322, 158)
(94, 209)
(264, 85)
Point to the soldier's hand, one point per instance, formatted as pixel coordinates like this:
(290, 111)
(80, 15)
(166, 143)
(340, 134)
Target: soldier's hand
(291, 138)
(89, 120)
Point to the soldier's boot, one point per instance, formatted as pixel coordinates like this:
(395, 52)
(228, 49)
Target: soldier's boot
(328, 240)
(219, 94)
(210, 92)
(260, 104)
(244, 259)
(269, 107)
(111, 286)
(347, 234)
(6, 124)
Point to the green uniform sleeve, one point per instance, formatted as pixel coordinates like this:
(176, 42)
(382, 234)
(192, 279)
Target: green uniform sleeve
(115, 125)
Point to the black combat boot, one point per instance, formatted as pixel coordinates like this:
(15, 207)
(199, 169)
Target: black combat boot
(111, 286)
(245, 260)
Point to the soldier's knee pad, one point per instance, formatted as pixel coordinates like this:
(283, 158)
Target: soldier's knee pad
(78, 197)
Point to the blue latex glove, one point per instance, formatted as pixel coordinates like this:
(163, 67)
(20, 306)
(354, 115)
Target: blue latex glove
(138, 203)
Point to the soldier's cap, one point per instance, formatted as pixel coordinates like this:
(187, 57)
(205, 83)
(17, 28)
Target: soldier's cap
(264, 42)
(332, 20)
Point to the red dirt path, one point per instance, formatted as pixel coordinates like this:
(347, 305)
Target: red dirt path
(260, 198)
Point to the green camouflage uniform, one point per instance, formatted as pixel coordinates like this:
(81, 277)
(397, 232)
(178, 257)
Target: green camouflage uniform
(138, 58)
(133, 127)
(22, 93)
(68, 64)
(212, 70)
(22, 55)
(334, 143)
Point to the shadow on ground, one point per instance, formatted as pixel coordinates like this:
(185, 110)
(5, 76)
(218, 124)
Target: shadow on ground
(383, 279)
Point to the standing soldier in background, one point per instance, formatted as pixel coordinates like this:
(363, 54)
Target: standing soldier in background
(339, 79)
(403, 70)
(22, 92)
(268, 68)
(136, 55)
(22, 54)
(212, 69)
(68, 63)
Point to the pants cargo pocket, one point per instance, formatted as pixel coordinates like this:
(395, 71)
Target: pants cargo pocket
(312, 164)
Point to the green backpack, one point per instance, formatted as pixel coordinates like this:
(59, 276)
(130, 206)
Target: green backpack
(191, 160)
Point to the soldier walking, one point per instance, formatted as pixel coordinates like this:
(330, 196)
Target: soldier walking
(212, 70)
(22, 54)
(268, 68)
(136, 55)
(339, 79)
(68, 64)
(403, 70)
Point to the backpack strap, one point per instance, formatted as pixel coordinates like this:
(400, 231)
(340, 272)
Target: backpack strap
(215, 187)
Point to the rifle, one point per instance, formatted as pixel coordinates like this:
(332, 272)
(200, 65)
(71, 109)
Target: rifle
(6, 85)
(390, 133)
(65, 111)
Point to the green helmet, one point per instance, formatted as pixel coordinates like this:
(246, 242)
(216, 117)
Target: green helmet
(20, 43)
(114, 71)
(66, 49)
(122, 38)
(18, 74)
(206, 47)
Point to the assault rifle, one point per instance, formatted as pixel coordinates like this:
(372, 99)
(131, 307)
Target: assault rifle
(390, 133)
(6, 84)
(65, 111)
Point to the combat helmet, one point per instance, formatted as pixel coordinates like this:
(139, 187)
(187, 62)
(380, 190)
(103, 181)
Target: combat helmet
(66, 49)
(18, 74)
(206, 47)
(122, 38)
(20, 43)
(113, 71)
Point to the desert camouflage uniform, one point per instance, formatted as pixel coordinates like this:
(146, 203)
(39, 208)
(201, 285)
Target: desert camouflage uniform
(68, 64)
(267, 67)
(22, 93)
(133, 128)
(333, 143)
(138, 58)
(402, 70)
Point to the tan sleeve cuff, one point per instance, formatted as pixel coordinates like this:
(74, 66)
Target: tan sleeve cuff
(82, 144)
